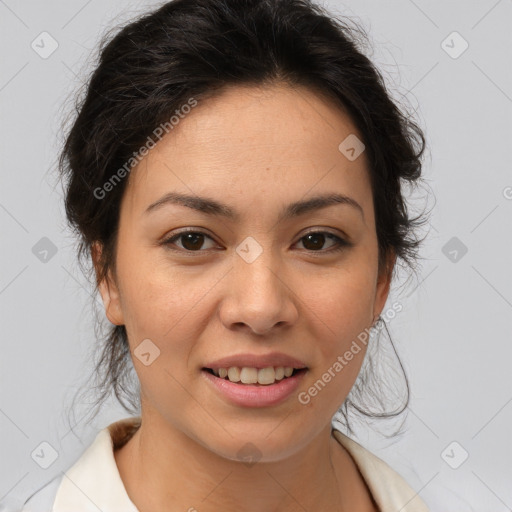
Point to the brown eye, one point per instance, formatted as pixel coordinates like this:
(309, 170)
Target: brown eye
(315, 240)
(192, 241)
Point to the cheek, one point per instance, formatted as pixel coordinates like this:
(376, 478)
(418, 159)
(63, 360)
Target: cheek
(164, 305)
(341, 306)
(340, 314)
(158, 307)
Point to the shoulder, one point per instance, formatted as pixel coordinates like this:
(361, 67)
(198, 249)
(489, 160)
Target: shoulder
(92, 481)
(388, 488)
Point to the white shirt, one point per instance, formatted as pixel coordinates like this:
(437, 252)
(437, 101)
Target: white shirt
(93, 483)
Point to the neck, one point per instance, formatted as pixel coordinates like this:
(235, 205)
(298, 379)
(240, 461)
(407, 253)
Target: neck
(179, 473)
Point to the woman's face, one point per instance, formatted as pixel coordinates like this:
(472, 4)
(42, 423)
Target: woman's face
(252, 282)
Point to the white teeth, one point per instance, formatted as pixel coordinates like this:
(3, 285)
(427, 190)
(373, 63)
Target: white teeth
(247, 375)
(234, 374)
(266, 375)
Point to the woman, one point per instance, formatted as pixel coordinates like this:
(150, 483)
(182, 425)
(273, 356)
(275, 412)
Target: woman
(234, 176)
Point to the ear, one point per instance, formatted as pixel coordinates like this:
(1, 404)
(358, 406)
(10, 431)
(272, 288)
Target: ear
(108, 289)
(383, 285)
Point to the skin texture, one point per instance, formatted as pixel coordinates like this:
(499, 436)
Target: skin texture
(257, 150)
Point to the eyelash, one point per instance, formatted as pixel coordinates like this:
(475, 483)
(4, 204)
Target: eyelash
(340, 242)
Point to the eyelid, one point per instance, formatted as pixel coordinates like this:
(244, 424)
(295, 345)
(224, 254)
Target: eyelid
(341, 242)
(168, 239)
(342, 236)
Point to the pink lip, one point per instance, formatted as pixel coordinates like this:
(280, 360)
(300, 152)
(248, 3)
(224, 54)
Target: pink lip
(274, 359)
(255, 395)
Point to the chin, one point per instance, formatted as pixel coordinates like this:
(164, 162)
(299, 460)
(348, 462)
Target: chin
(259, 446)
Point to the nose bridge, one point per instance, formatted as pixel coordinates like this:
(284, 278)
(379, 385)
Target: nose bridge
(257, 268)
(257, 295)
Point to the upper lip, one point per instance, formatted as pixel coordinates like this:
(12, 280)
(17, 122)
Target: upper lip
(275, 359)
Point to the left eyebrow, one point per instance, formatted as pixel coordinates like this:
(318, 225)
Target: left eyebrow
(213, 207)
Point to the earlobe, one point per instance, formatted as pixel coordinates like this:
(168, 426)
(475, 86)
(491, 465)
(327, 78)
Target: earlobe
(110, 295)
(108, 289)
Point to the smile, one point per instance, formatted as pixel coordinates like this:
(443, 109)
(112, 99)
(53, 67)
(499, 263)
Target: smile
(255, 394)
(248, 375)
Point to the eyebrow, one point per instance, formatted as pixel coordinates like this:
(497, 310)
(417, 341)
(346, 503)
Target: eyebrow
(213, 207)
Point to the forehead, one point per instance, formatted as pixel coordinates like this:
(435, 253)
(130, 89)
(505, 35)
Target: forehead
(254, 144)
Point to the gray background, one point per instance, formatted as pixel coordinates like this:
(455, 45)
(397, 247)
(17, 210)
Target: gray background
(454, 333)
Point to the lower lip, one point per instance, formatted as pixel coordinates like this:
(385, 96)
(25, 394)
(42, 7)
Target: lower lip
(256, 395)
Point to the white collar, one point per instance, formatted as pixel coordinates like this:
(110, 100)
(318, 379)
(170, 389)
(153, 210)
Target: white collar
(389, 490)
(93, 483)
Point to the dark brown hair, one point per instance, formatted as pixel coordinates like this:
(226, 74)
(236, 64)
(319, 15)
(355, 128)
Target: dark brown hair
(195, 49)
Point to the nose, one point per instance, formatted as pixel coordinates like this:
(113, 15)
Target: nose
(258, 297)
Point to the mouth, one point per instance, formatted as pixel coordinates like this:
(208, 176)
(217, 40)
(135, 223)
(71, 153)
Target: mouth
(255, 376)
(251, 387)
